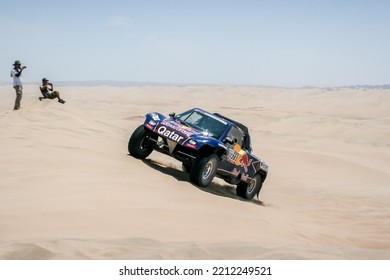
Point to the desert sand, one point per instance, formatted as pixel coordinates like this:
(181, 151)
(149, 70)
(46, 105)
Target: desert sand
(69, 189)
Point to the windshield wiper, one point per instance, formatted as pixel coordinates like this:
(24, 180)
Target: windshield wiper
(183, 122)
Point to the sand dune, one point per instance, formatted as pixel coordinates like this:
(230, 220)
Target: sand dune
(69, 190)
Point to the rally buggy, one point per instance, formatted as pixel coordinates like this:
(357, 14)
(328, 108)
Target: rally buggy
(207, 144)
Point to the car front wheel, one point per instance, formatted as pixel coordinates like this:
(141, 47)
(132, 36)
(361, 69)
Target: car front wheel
(204, 170)
(138, 143)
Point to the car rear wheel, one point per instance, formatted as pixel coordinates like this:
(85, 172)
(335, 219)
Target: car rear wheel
(139, 143)
(249, 190)
(204, 170)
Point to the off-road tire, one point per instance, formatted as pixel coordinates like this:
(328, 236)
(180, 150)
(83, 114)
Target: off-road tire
(138, 143)
(204, 170)
(249, 190)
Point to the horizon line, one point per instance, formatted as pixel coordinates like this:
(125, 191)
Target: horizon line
(123, 83)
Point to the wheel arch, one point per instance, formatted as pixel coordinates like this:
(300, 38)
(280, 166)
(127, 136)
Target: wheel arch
(207, 149)
(263, 175)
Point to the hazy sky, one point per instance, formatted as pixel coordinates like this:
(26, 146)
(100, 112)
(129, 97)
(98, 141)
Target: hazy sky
(263, 42)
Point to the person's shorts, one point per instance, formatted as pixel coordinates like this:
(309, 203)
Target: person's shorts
(51, 95)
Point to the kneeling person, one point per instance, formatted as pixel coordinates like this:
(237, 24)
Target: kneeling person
(48, 92)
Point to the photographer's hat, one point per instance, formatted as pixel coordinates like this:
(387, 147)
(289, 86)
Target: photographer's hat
(17, 62)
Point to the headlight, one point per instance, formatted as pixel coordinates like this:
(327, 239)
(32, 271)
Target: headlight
(191, 144)
(152, 123)
(264, 166)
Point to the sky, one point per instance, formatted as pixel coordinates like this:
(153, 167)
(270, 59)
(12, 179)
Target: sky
(223, 42)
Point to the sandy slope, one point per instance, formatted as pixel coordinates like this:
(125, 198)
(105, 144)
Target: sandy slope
(68, 189)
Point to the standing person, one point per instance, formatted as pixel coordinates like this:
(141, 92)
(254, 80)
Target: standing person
(16, 74)
(48, 92)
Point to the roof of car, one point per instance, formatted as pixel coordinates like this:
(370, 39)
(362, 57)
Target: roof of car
(240, 125)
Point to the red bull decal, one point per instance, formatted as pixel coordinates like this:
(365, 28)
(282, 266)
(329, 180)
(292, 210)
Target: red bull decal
(244, 176)
(239, 157)
(245, 161)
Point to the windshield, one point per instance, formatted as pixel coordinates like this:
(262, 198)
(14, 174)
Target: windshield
(203, 122)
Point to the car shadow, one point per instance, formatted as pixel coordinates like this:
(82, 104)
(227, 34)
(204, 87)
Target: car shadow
(224, 190)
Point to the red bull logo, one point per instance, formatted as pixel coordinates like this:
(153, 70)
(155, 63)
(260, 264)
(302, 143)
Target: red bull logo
(245, 161)
(239, 157)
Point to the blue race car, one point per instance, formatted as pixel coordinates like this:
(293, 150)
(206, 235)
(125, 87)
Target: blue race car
(207, 144)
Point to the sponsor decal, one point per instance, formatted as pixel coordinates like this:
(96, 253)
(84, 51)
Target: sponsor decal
(236, 172)
(244, 176)
(187, 131)
(239, 157)
(165, 132)
(149, 126)
(245, 161)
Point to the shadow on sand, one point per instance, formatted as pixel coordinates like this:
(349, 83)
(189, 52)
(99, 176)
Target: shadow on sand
(224, 190)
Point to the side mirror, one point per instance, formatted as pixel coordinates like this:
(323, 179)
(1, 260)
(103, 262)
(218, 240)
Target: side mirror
(172, 115)
(229, 140)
